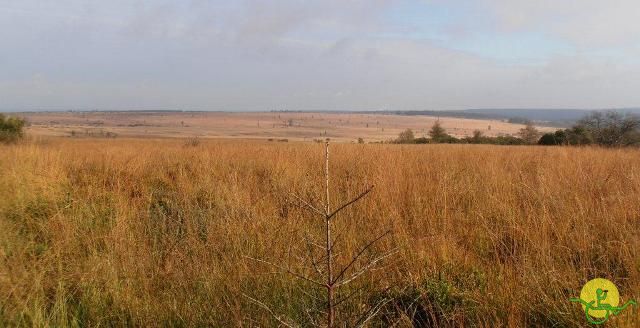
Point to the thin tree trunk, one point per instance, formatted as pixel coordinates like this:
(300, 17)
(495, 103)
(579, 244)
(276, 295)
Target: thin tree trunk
(330, 309)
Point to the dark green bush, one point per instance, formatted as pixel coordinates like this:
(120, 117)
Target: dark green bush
(547, 139)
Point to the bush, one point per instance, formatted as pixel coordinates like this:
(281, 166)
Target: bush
(437, 132)
(529, 134)
(448, 139)
(405, 137)
(508, 140)
(477, 137)
(547, 139)
(578, 135)
(11, 128)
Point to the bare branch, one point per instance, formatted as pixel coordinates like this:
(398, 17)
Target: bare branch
(366, 267)
(342, 300)
(335, 240)
(313, 243)
(355, 258)
(349, 203)
(273, 314)
(304, 290)
(288, 271)
(312, 320)
(311, 256)
(307, 205)
(371, 313)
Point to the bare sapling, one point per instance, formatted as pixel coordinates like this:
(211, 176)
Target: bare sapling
(329, 275)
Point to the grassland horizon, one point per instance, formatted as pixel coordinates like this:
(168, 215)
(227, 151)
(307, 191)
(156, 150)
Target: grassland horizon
(294, 126)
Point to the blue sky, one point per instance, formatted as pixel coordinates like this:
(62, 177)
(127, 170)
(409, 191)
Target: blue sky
(318, 55)
(469, 27)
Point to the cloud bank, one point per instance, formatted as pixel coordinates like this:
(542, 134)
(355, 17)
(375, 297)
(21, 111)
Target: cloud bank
(318, 55)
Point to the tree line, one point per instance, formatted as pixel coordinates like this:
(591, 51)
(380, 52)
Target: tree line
(611, 129)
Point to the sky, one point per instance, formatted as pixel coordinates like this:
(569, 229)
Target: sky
(244, 55)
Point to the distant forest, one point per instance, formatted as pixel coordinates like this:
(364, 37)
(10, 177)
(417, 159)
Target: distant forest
(551, 117)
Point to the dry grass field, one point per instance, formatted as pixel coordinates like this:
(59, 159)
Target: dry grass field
(291, 126)
(150, 232)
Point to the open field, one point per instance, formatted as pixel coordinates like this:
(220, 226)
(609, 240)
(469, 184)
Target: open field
(292, 126)
(147, 232)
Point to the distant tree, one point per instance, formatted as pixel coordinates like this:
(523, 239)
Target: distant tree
(548, 139)
(578, 135)
(612, 128)
(529, 134)
(437, 132)
(560, 137)
(11, 128)
(360, 140)
(477, 137)
(406, 136)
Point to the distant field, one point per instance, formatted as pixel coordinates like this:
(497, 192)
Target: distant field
(292, 126)
(156, 232)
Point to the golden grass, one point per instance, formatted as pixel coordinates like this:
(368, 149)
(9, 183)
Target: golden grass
(154, 233)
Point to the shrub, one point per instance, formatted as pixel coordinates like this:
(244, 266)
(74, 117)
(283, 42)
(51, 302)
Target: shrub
(406, 136)
(477, 136)
(437, 132)
(578, 135)
(548, 139)
(11, 128)
(508, 140)
(529, 134)
(447, 139)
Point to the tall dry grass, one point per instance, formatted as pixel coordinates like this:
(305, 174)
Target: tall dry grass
(155, 233)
